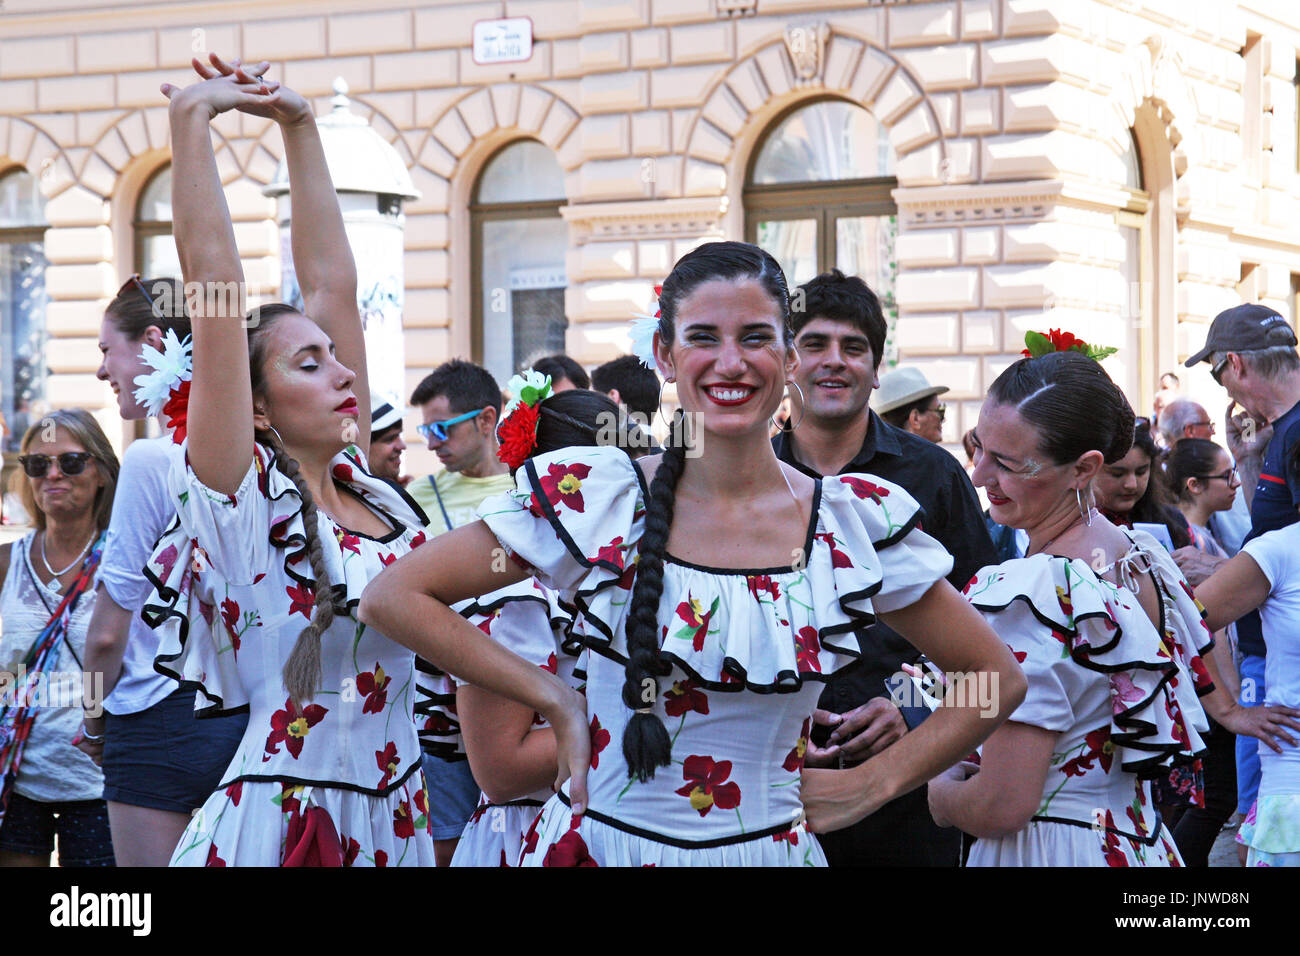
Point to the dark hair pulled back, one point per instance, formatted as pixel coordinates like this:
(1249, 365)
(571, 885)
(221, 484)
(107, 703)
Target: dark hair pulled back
(579, 416)
(302, 670)
(1073, 404)
(146, 302)
(1189, 458)
(646, 745)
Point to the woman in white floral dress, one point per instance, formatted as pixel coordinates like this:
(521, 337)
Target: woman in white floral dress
(713, 600)
(1107, 632)
(280, 527)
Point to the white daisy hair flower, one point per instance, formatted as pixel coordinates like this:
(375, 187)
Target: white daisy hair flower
(173, 365)
(529, 386)
(643, 339)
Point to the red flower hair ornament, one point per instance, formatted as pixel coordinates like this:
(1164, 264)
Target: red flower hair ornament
(1037, 344)
(517, 433)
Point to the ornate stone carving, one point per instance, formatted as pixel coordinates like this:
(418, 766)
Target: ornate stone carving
(737, 8)
(806, 44)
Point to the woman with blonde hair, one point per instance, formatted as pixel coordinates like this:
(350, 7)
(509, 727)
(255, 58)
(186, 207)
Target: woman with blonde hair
(48, 786)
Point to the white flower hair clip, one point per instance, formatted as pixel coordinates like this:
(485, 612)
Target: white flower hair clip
(172, 366)
(643, 332)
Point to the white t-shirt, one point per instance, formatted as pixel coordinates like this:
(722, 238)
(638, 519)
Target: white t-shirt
(1278, 556)
(141, 513)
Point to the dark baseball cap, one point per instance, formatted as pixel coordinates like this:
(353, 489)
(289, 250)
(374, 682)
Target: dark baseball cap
(1244, 328)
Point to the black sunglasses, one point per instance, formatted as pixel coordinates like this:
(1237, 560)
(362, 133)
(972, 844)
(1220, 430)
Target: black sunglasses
(70, 463)
(1216, 373)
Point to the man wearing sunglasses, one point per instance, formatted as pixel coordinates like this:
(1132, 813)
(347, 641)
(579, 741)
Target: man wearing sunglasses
(1251, 351)
(460, 404)
(1184, 418)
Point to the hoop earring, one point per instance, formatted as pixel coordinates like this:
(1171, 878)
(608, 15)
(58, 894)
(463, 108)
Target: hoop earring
(1086, 514)
(278, 440)
(803, 407)
(660, 410)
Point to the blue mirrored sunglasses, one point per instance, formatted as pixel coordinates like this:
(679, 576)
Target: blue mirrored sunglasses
(438, 430)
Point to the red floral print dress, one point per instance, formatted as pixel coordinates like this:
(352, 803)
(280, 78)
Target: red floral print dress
(749, 649)
(1121, 695)
(336, 782)
(527, 619)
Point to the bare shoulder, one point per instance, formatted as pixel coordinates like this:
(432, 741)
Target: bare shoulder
(800, 484)
(649, 465)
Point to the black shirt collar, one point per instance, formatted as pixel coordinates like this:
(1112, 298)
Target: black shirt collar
(880, 440)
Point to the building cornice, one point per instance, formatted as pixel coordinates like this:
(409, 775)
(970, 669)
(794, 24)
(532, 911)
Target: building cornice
(646, 218)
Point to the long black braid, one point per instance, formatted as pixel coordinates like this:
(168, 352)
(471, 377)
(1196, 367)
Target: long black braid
(646, 745)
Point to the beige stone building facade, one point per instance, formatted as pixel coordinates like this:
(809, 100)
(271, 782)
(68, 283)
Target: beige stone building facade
(1127, 167)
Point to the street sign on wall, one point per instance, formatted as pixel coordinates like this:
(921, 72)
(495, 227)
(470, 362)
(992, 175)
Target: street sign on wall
(503, 41)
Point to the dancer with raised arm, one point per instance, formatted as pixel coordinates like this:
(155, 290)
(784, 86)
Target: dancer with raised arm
(273, 495)
(714, 597)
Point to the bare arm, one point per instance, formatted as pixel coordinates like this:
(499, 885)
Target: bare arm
(409, 601)
(981, 669)
(1003, 796)
(106, 637)
(1237, 587)
(5, 550)
(220, 421)
(322, 257)
(510, 757)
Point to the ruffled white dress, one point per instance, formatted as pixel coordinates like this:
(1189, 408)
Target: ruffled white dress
(527, 619)
(340, 782)
(1121, 695)
(749, 650)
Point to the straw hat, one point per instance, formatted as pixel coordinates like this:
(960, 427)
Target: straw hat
(902, 386)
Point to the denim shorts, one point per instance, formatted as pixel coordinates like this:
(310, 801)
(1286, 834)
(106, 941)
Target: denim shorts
(453, 795)
(165, 758)
(81, 825)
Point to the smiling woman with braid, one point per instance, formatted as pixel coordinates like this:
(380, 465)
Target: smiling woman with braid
(714, 593)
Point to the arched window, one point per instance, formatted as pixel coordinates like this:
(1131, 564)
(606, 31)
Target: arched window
(155, 249)
(818, 194)
(518, 249)
(1136, 356)
(22, 303)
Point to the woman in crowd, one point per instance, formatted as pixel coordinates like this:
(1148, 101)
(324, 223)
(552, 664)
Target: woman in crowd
(160, 763)
(1266, 575)
(714, 593)
(47, 786)
(1126, 495)
(273, 496)
(1105, 628)
(1202, 481)
(511, 748)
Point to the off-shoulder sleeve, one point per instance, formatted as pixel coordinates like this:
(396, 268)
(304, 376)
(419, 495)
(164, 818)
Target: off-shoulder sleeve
(876, 525)
(575, 519)
(1068, 629)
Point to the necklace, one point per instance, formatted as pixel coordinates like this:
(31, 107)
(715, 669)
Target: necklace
(58, 574)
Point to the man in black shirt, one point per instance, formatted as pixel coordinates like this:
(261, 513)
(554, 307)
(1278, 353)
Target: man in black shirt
(840, 335)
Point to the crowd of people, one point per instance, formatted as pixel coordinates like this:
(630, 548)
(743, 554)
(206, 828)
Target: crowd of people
(602, 636)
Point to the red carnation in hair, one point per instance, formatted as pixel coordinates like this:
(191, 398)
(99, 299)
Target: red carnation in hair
(518, 435)
(177, 410)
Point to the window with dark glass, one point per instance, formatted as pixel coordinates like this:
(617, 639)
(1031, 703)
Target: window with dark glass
(155, 248)
(818, 194)
(519, 246)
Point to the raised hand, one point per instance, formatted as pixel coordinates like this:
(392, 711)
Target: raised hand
(281, 103)
(221, 93)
